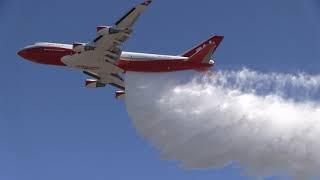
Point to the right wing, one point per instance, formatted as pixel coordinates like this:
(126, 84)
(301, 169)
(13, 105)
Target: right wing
(110, 39)
(107, 47)
(127, 21)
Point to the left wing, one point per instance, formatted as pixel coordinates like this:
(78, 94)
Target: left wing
(113, 79)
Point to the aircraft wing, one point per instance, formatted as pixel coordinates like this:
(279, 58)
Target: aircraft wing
(100, 80)
(131, 17)
(109, 40)
(106, 48)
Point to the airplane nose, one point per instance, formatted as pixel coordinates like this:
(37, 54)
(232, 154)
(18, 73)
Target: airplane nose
(43, 56)
(22, 53)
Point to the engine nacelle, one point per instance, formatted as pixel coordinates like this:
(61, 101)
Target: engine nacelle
(104, 30)
(101, 27)
(78, 47)
(93, 83)
(120, 95)
(81, 47)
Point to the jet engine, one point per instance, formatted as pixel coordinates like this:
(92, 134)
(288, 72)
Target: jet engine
(120, 95)
(81, 47)
(93, 83)
(104, 30)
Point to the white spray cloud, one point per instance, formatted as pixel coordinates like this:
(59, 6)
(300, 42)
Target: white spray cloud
(269, 124)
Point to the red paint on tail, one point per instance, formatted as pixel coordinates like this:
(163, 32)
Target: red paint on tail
(203, 52)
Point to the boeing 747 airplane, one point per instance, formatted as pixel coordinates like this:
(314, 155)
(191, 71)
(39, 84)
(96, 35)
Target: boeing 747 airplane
(103, 59)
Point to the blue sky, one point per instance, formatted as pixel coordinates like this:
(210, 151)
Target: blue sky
(51, 127)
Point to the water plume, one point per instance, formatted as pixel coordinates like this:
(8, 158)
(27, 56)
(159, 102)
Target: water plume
(266, 123)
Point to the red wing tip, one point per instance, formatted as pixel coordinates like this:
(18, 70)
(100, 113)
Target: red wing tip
(146, 3)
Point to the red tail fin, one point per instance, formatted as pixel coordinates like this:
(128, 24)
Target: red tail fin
(203, 52)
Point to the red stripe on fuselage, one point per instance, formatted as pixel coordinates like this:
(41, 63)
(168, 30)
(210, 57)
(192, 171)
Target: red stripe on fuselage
(45, 55)
(160, 65)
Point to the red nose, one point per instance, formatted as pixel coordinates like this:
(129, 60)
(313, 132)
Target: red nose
(27, 54)
(22, 53)
(44, 55)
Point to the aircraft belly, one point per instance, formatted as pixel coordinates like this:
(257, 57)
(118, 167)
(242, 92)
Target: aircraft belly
(88, 61)
(78, 60)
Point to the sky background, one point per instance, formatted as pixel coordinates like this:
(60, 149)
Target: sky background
(51, 127)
